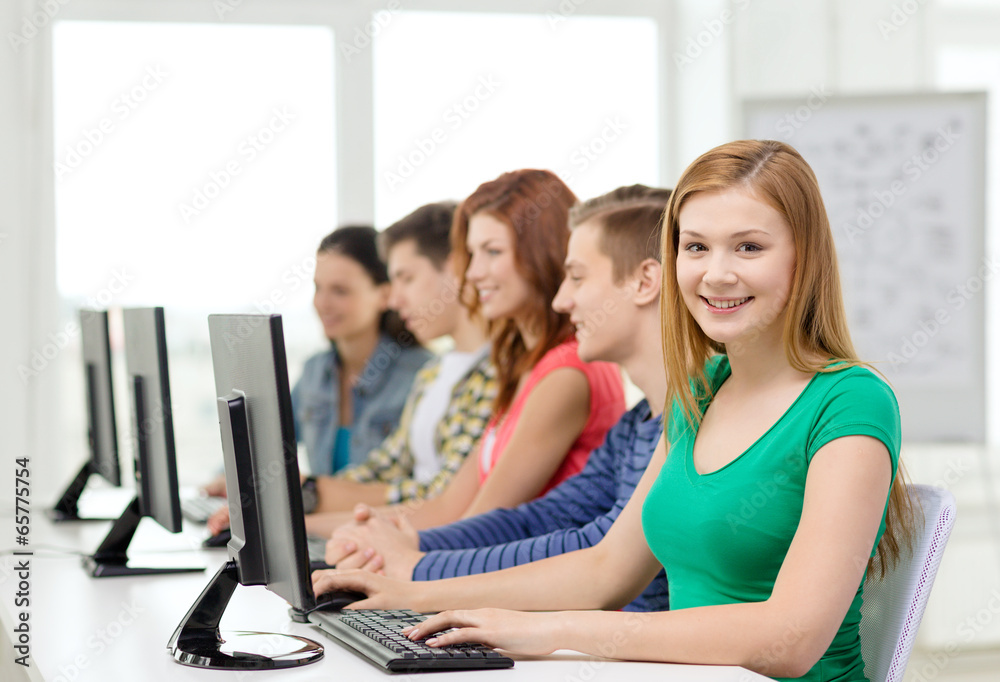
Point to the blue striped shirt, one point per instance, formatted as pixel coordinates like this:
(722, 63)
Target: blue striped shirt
(575, 514)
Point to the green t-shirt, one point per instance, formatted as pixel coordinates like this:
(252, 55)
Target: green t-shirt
(723, 536)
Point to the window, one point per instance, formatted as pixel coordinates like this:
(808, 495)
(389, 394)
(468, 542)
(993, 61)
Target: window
(461, 98)
(195, 169)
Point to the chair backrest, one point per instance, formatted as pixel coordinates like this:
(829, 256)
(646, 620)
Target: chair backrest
(893, 607)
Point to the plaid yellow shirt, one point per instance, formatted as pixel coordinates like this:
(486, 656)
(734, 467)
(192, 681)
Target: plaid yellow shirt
(456, 436)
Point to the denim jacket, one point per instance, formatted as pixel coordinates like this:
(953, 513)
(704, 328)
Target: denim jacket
(377, 397)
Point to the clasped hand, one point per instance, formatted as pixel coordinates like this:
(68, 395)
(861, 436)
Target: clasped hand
(379, 543)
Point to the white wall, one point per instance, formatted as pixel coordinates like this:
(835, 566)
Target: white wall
(788, 49)
(740, 48)
(748, 48)
(27, 262)
(28, 406)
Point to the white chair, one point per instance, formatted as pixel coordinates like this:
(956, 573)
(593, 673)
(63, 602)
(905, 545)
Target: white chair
(892, 608)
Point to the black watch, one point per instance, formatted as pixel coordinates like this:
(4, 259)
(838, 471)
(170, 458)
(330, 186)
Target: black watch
(310, 498)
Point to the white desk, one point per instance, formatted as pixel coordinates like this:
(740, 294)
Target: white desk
(84, 629)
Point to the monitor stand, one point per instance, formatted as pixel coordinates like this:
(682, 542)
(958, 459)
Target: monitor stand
(198, 642)
(67, 508)
(111, 558)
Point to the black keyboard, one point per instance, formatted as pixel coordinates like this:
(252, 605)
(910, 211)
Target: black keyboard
(376, 635)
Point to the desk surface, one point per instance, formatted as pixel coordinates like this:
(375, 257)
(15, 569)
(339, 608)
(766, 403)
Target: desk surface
(117, 628)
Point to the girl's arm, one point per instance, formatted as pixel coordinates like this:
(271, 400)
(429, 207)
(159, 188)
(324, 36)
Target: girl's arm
(576, 580)
(846, 490)
(554, 415)
(445, 508)
(340, 494)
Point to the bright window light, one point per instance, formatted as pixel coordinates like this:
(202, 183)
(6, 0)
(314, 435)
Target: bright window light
(198, 160)
(195, 169)
(461, 98)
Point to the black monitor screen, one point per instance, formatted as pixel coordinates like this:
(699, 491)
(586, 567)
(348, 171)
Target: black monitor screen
(262, 472)
(152, 448)
(152, 424)
(101, 431)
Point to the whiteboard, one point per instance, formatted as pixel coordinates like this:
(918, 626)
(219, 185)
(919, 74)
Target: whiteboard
(903, 180)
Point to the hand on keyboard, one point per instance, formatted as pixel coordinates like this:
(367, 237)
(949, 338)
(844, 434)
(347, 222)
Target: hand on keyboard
(216, 487)
(515, 631)
(529, 633)
(378, 635)
(218, 521)
(383, 593)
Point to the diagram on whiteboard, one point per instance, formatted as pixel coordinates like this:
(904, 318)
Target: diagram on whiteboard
(902, 178)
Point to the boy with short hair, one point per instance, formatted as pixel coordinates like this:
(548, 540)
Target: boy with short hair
(611, 293)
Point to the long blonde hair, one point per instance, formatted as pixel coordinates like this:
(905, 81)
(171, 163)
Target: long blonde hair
(815, 330)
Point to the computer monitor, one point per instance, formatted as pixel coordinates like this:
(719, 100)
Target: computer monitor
(102, 439)
(152, 446)
(268, 544)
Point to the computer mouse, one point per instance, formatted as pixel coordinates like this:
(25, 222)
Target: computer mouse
(220, 539)
(335, 600)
